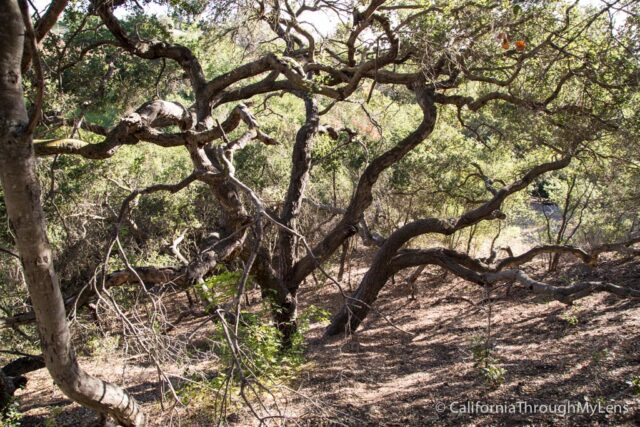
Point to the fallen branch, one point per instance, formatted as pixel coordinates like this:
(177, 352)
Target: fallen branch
(589, 257)
(564, 294)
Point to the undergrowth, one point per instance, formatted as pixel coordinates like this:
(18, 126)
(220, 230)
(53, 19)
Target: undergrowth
(11, 416)
(252, 372)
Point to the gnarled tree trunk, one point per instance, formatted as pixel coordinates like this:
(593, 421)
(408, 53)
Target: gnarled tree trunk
(22, 198)
(285, 310)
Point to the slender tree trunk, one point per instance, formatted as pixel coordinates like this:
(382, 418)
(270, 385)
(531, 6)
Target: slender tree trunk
(343, 259)
(22, 199)
(411, 280)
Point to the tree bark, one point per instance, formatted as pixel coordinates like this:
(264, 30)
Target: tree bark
(343, 259)
(285, 311)
(356, 308)
(22, 198)
(362, 198)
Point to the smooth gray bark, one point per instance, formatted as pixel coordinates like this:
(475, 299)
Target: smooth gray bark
(22, 199)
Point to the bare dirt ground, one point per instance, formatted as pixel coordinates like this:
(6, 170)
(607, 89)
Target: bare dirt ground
(398, 367)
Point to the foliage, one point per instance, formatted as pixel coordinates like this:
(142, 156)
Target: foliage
(262, 358)
(634, 383)
(588, 66)
(218, 288)
(571, 317)
(11, 417)
(485, 362)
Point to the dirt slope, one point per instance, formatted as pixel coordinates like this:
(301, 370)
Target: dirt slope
(398, 367)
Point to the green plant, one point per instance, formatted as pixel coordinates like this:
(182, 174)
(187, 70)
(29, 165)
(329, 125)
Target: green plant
(261, 356)
(102, 346)
(259, 341)
(634, 382)
(51, 419)
(571, 317)
(219, 288)
(313, 314)
(492, 373)
(11, 416)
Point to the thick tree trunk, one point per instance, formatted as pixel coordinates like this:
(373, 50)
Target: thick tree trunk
(22, 198)
(301, 167)
(363, 196)
(285, 309)
(356, 308)
(353, 312)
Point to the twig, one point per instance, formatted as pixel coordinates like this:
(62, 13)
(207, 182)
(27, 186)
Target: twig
(9, 252)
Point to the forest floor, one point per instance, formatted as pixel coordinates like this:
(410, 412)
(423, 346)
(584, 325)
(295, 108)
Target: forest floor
(412, 356)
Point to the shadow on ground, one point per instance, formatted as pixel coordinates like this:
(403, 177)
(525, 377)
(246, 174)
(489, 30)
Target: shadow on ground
(550, 353)
(399, 367)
